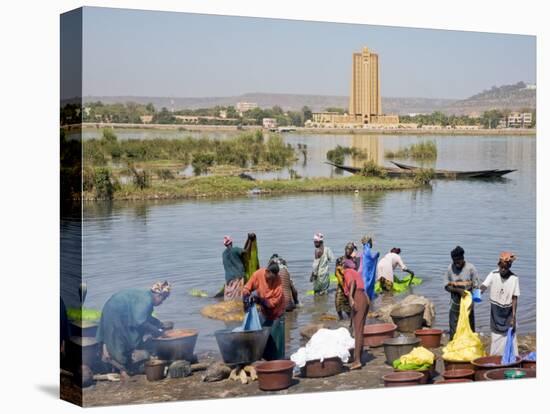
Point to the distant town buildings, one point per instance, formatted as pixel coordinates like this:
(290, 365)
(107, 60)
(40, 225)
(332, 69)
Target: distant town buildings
(146, 119)
(269, 123)
(242, 107)
(516, 120)
(365, 102)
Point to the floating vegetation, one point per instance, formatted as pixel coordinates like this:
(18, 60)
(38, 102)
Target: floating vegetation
(426, 150)
(372, 169)
(198, 293)
(423, 176)
(338, 154)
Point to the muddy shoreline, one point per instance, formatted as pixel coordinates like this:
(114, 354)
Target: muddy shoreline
(138, 390)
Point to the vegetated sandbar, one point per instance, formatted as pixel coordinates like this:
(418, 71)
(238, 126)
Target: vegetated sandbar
(234, 186)
(332, 131)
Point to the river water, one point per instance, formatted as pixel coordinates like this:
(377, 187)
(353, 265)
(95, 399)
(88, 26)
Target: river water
(132, 244)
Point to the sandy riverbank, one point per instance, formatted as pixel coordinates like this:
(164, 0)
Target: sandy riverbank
(139, 390)
(303, 130)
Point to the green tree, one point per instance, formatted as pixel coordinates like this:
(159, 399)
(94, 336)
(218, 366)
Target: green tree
(103, 184)
(150, 108)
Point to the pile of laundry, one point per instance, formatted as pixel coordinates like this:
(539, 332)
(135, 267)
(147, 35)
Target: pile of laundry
(325, 343)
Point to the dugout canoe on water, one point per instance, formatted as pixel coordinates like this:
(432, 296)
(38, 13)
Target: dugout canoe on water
(404, 171)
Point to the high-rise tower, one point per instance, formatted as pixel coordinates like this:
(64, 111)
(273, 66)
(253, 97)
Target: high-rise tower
(365, 98)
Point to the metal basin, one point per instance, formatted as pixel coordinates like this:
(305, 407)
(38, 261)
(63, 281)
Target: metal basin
(179, 345)
(83, 328)
(395, 347)
(82, 351)
(408, 318)
(242, 347)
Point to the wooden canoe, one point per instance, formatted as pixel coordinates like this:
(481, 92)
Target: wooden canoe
(409, 171)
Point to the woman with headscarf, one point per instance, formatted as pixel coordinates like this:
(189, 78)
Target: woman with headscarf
(235, 267)
(289, 291)
(320, 275)
(369, 260)
(126, 319)
(354, 289)
(265, 289)
(341, 301)
(503, 286)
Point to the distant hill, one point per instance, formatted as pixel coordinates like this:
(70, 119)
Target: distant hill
(290, 102)
(513, 97)
(507, 96)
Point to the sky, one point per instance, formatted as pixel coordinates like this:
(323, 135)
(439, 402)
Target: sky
(169, 54)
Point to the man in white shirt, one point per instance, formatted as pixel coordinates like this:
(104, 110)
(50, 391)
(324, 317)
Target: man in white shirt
(386, 267)
(503, 287)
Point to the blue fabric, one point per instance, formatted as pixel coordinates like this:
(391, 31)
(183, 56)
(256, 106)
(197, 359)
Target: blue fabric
(532, 356)
(251, 321)
(509, 356)
(369, 262)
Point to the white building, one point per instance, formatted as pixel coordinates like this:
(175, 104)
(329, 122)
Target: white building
(242, 107)
(269, 123)
(519, 120)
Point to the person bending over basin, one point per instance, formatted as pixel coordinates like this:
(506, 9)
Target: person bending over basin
(127, 324)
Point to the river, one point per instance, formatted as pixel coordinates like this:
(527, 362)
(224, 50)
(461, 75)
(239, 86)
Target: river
(132, 244)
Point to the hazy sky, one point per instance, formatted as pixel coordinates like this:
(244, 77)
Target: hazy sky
(145, 53)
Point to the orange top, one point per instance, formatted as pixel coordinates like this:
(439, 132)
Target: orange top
(351, 275)
(270, 292)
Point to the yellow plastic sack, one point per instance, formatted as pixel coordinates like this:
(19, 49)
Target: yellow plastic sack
(466, 345)
(418, 356)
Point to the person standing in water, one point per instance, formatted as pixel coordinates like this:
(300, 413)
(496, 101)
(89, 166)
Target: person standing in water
(289, 291)
(369, 260)
(341, 301)
(386, 267)
(233, 264)
(320, 276)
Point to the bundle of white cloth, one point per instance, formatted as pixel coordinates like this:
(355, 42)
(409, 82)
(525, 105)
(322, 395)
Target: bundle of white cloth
(325, 343)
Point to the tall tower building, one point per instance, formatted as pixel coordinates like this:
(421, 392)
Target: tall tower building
(365, 98)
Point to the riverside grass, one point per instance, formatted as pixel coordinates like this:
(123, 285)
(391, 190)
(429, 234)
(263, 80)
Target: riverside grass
(231, 186)
(420, 151)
